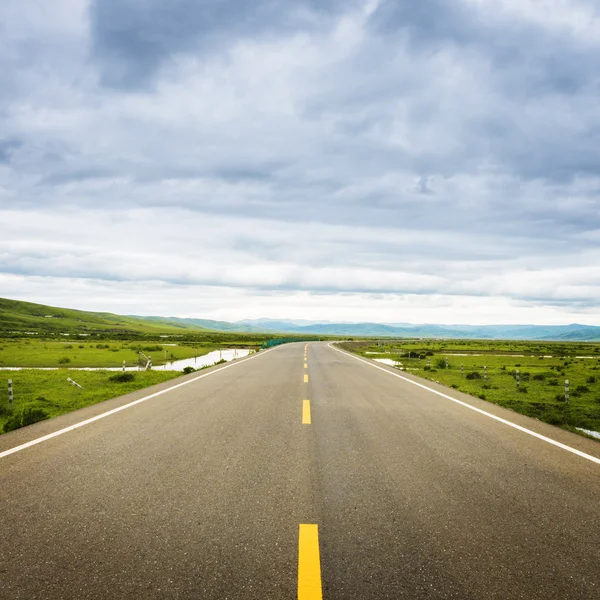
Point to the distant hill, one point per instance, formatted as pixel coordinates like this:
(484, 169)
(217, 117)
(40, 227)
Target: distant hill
(22, 317)
(26, 316)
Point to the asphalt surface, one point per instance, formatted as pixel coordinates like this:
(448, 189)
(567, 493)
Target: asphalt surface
(199, 493)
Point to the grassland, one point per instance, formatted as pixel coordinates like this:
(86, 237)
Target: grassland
(107, 353)
(44, 394)
(543, 369)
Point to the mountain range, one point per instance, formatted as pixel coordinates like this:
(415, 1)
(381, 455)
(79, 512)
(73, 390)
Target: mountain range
(17, 316)
(573, 332)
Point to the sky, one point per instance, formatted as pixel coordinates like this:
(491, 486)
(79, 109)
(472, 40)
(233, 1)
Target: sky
(388, 161)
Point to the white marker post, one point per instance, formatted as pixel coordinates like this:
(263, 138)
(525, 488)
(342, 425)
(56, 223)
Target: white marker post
(484, 372)
(462, 369)
(446, 362)
(123, 366)
(10, 392)
(74, 383)
(517, 377)
(567, 391)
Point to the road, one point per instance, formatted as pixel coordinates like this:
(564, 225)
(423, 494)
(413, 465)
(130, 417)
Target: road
(300, 472)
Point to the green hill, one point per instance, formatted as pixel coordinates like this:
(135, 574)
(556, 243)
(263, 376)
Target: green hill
(21, 317)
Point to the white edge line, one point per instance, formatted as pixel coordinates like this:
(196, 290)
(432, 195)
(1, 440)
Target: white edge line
(120, 408)
(478, 410)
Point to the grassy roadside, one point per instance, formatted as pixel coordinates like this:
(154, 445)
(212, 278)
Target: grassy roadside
(40, 395)
(107, 353)
(542, 375)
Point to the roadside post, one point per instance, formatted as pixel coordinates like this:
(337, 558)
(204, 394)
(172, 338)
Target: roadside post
(123, 366)
(567, 391)
(74, 383)
(462, 369)
(484, 372)
(10, 392)
(446, 362)
(517, 377)
(429, 362)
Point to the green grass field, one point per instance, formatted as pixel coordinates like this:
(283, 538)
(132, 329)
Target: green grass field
(107, 353)
(51, 393)
(543, 369)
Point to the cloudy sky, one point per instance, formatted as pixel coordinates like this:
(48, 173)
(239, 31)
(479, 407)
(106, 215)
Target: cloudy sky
(434, 161)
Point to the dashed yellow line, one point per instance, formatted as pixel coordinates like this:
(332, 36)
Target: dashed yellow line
(306, 365)
(306, 412)
(305, 378)
(309, 563)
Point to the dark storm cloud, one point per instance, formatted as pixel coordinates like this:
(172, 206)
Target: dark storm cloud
(131, 39)
(7, 148)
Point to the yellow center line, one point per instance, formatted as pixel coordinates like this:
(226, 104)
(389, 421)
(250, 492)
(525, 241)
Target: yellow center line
(305, 366)
(306, 412)
(309, 563)
(305, 378)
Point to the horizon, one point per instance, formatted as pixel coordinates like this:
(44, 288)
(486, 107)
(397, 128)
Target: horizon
(319, 322)
(365, 161)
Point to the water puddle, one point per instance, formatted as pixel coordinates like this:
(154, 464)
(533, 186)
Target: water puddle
(594, 434)
(204, 361)
(387, 361)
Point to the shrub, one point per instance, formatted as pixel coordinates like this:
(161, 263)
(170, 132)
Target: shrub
(522, 389)
(68, 347)
(553, 417)
(64, 360)
(122, 377)
(440, 363)
(26, 416)
(155, 348)
(81, 346)
(503, 368)
(454, 385)
(591, 379)
(114, 349)
(539, 377)
(187, 370)
(473, 375)
(102, 346)
(553, 382)
(582, 389)
(518, 365)
(426, 368)
(486, 386)
(559, 397)
(482, 396)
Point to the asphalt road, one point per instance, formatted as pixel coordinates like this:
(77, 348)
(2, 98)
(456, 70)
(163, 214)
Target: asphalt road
(202, 492)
